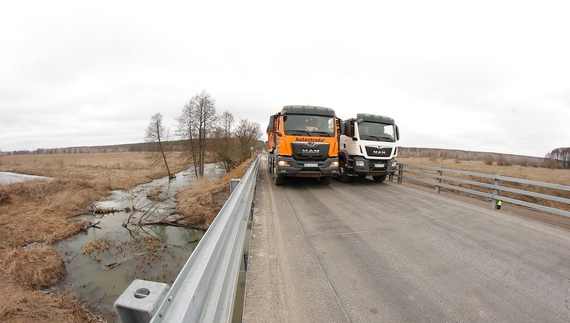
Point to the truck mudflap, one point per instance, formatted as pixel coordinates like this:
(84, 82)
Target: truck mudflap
(372, 167)
(287, 166)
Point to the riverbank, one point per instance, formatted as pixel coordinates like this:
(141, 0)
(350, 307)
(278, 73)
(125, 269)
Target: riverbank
(35, 214)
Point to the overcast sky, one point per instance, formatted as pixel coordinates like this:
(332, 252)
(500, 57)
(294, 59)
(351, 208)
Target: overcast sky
(480, 75)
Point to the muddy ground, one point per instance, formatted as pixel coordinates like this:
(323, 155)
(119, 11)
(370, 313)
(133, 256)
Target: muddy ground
(34, 215)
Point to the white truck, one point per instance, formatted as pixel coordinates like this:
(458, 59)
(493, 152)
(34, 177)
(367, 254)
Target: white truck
(368, 147)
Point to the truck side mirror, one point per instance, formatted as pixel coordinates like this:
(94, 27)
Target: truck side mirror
(397, 133)
(271, 126)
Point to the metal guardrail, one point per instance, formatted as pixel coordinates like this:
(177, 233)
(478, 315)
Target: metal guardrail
(497, 187)
(205, 288)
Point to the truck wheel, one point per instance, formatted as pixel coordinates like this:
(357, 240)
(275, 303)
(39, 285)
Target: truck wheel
(343, 176)
(277, 179)
(326, 180)
(379, 179)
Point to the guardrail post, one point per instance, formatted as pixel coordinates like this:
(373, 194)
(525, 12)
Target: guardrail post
(497, 185)
(438, 187)
(138, 303)
(233, 184)
(400, 173)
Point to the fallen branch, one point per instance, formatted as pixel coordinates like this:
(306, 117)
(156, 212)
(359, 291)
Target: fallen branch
(114, 264)
(177, 222)
(88, 224)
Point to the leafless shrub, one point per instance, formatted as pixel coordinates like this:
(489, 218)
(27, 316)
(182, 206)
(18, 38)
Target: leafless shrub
(4, 197)
(502, 161)
(524, 162)
(551, 164)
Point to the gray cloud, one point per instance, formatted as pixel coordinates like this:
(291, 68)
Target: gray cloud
(484, 77)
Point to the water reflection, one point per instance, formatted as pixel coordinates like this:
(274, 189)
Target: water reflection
(103, 260)
(9, 177)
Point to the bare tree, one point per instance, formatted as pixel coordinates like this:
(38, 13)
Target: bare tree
(562, 155)
(222, 141)
(247, 134)
(195, 124)
(156, 137)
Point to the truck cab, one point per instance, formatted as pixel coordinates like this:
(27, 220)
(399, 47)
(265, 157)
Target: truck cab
(302, 142)
(368, 147)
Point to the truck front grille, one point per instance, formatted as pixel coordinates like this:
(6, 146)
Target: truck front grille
(310, 150)
(378, 152)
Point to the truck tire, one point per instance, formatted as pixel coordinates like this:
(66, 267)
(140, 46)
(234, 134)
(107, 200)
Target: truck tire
(343, 175)
(325, 180)
(277, 179)
(379, 178)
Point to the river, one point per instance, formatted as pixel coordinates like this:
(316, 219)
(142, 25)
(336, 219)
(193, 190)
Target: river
(103, 260)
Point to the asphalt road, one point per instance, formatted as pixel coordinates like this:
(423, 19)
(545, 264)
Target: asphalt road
(369, 252)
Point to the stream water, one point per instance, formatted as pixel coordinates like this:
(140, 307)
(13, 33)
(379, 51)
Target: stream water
(9, 177)
(103, 260)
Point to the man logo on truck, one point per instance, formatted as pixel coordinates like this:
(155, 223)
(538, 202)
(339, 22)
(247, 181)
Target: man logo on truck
(310, 151)
(379, 152)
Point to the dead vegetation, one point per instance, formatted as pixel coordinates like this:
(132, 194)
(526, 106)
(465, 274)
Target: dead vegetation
(20, 305)
(199, 204)
(24, 272)
(38, 211)
(35, 214)
(504, 168)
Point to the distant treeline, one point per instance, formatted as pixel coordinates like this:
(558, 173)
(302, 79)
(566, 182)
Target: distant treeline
(177, 145)
(558, 158)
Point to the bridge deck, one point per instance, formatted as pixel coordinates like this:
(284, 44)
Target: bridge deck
(369, 252)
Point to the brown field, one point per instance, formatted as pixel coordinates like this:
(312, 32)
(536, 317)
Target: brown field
(549, 175)
(34, 214)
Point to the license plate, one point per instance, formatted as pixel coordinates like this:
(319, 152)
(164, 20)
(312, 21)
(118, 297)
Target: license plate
(311, 165)
(378, 165)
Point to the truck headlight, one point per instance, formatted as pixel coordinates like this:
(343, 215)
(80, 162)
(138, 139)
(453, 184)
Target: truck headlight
(334, 164)
(394, 164)
(283, 163)
(360, 163)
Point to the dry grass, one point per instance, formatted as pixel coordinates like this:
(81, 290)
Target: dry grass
(37, 212)
(24, 270)
(202, 201)
(18, 305)
(33, 267)
(114, 170)
(549, 175)
(559, 176)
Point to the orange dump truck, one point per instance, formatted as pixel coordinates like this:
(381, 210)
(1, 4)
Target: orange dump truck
(302, 142)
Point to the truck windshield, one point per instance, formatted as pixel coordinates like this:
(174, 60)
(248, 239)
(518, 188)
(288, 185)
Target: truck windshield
(376, 131)
(307, 125)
